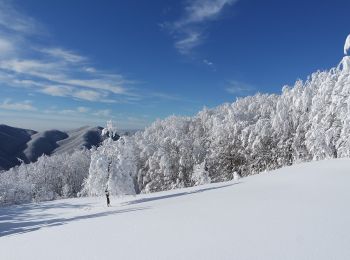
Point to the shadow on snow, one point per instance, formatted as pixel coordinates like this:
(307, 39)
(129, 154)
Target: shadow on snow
(22, 219)
(25, 218)
(143, 200)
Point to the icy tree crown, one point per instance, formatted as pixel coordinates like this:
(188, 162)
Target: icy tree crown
(110, 130)
(347, 46)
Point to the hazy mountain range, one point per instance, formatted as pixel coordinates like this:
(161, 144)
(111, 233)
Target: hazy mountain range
(28, 145)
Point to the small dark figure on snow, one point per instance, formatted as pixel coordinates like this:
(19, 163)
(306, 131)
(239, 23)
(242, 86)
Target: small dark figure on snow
(107, 196)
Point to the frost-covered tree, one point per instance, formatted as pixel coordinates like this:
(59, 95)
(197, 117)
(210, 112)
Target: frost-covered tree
(113, 166)
(263, 132)
(200, 174)
(58, 176)
(307, 121)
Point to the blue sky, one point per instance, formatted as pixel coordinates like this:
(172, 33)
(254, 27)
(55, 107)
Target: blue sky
(64, 64)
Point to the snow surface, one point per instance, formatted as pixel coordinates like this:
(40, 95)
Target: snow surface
(347, 46)
(298, 212)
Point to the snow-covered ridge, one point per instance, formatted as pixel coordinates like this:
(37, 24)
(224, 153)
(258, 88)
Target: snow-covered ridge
(29, 145)
(298, 212)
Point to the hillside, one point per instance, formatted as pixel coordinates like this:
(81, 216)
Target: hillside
(12, 143)
(296, 212)
(29, 145)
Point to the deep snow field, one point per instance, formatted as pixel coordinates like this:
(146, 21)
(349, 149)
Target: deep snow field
(297, 212)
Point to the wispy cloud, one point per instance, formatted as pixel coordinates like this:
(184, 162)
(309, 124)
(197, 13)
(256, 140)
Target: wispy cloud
(89, 95)
(6, 48)
(76, 112)
(26, 105)
(83, 109)
(67, 91)
(57, 90)
(57, 71)
(208, 63)
(103, 113)
(12, 20)
(189, 40)
(188, 31)
(240, 88)
(54, 71)
(67, 72)
(64, 55)
(29, 61)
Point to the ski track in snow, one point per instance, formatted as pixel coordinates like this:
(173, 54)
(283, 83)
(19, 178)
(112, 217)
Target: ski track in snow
(297, 212)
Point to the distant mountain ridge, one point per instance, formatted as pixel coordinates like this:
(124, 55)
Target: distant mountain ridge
(28, 145)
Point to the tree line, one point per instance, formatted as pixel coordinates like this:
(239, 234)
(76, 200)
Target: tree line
(307, 121)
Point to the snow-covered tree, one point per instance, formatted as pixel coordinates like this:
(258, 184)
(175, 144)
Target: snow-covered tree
(112, 167)
(200, 174)
(307, 121)
(58, 176)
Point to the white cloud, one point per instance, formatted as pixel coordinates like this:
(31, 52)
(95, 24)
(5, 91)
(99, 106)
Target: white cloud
(54, 71)
(239, 88)
(40, 69)
(6, 47)
(76, 112)
(18, 106)
(89, 95)
(103, 113)
(68, 91)
(90, 69)
(83, 109)
(190, 40)
(23, 82)
(57, 91)
(44, 73)
(97, 84)
(37, 67)
(64, 55)
(166, 96)
(207, 62)
(202, 10)
(12, 20)
(67, 112)
(188, 30)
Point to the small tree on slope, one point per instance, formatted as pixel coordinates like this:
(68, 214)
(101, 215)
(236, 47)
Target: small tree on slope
(112, 166)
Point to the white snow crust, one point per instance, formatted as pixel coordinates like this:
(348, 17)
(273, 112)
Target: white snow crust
(298, 212)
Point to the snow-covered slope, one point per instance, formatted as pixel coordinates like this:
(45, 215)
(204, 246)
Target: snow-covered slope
(81, 137)
(298, 212)
(43, 143)
(55, 141)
